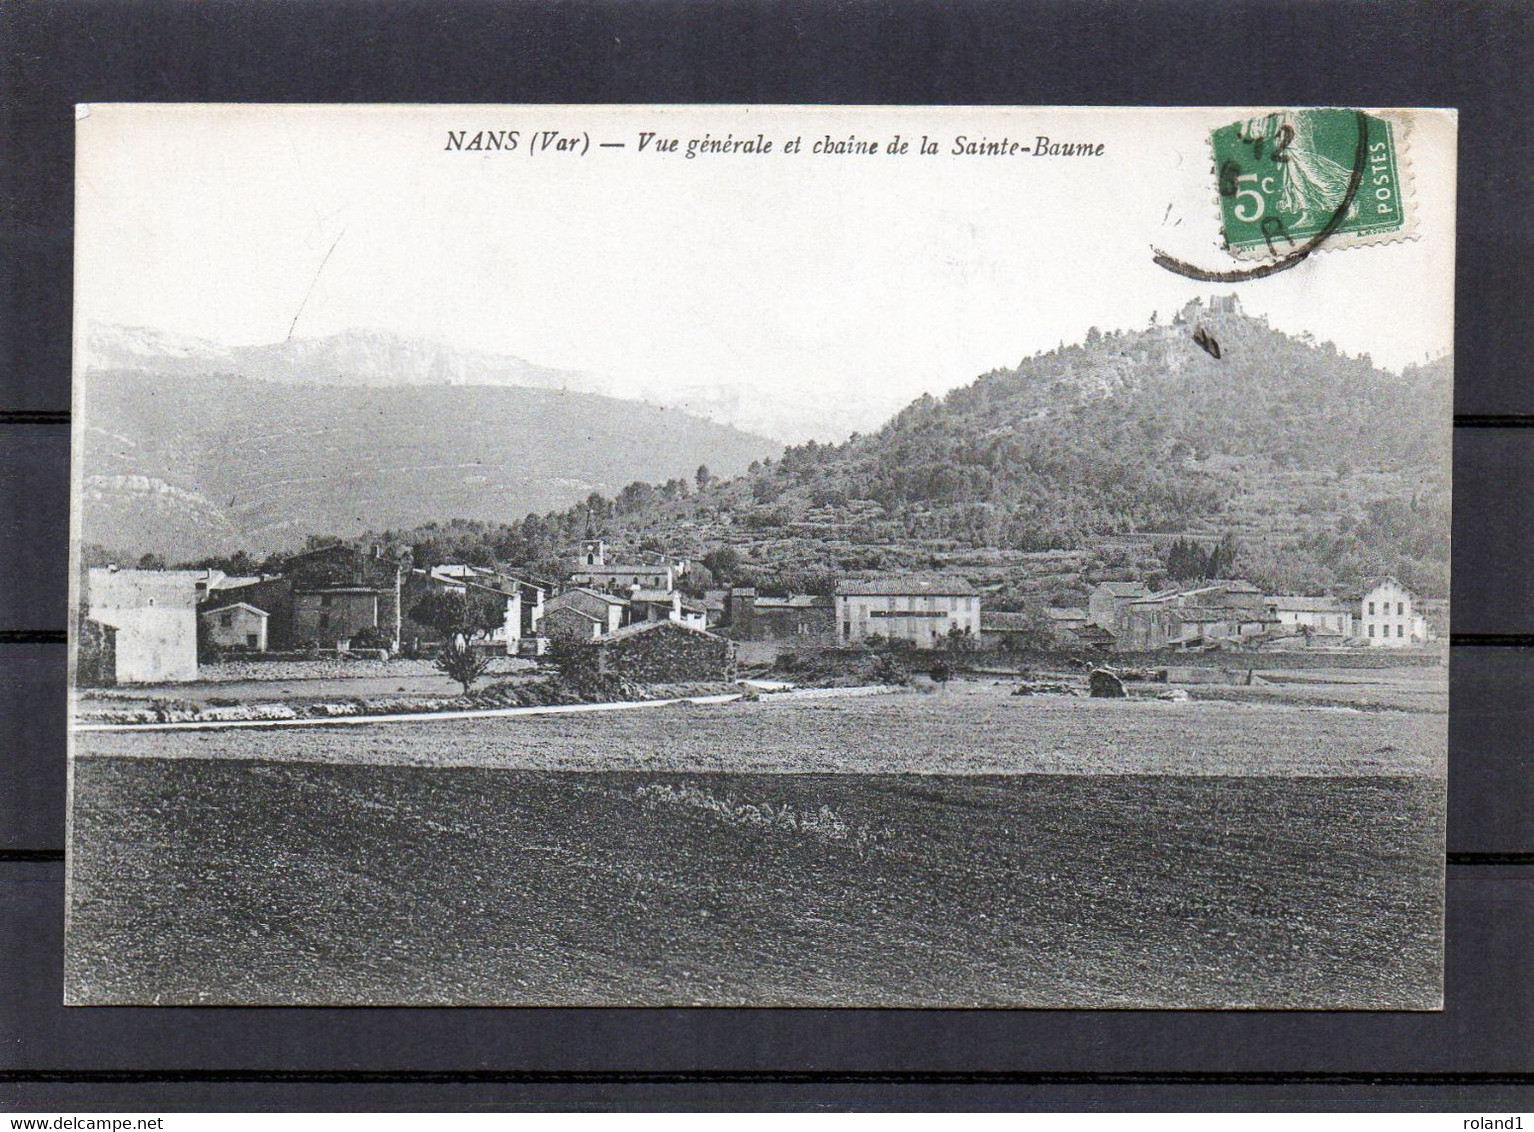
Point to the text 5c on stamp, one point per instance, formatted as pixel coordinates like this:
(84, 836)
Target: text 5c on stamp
(1286, 177)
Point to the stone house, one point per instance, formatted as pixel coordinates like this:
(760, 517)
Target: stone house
(238, 627)
(334, 614)
(1014, 631)
(1005, 630)
(798, 618)
(1067, 620)
(1108, 599)
(340, 591)
(659, 652)
(571, 624)
(273, 596)
(608, 612)
(1217, 612)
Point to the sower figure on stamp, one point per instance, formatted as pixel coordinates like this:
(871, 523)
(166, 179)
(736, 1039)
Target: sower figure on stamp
(1310, 183)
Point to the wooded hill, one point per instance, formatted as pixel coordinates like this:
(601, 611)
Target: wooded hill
(1091, 460)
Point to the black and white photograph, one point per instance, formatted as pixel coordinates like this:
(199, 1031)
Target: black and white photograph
(774, 556)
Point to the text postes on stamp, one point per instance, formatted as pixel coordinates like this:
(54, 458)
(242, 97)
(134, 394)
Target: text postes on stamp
(1284, 176)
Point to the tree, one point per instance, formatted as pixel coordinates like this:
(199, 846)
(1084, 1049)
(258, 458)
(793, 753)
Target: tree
(1223, 564)
(461, 616)
(723, 563)
(565, 654)
(460, 661)
(703, 477)
(151, 562)
(461, 613)
(635, 497)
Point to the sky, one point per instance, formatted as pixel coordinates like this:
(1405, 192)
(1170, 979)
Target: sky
(803, 295)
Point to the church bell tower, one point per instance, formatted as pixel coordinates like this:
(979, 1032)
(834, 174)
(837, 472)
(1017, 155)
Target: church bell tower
(592, 548)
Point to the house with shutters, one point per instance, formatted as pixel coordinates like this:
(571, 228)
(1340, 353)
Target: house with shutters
(920, 609)
(1388, 616)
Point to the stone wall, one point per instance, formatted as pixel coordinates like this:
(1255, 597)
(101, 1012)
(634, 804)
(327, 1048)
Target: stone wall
(95, 655)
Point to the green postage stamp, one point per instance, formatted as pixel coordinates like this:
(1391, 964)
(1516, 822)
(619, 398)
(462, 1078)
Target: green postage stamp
(1337, 177)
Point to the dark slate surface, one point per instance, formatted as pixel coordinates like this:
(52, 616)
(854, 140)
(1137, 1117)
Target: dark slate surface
(1487, 1023)
(34, 526)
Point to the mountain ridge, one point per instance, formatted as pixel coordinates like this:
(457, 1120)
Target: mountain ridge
(379, 358)
(190, 466)
(361, 357)
(1082, 462)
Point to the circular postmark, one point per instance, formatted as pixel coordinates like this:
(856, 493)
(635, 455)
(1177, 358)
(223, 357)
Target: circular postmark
(1231, 176)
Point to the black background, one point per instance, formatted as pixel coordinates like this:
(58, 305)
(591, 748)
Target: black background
(1477, 1055)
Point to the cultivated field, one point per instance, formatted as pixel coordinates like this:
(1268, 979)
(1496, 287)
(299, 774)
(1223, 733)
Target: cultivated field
(964, 729)
(1051, 851)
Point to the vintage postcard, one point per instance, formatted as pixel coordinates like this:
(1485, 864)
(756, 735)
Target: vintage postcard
(759, 555)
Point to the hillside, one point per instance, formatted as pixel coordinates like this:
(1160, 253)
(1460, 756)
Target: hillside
(1087, 461)
(187, 466)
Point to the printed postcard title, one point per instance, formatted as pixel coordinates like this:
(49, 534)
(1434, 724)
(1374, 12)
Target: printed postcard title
(580, 143)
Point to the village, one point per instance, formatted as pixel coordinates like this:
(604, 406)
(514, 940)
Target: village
(631, 710)
(671, 585)
(344, 612)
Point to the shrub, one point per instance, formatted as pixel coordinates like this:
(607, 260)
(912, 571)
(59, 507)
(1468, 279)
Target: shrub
(170, 710)
(371, 638)
(887, 669)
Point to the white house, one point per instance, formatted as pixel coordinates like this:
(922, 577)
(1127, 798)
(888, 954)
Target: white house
(155, 615)
(1323, 616)
(1388, 618)
(920, 608)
